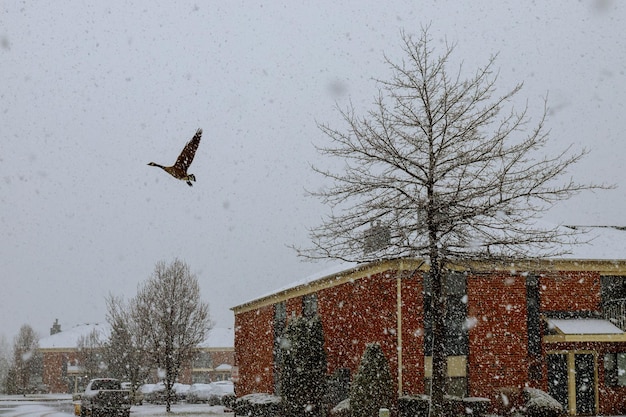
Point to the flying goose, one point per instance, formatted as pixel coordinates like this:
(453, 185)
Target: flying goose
(179, 169)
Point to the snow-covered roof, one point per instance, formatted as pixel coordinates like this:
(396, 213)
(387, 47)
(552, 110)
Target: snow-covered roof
(68, 339)
(328, 271)
(602, 243)
(584, 326)
(596, 243)
(219, 337)
(224, 367)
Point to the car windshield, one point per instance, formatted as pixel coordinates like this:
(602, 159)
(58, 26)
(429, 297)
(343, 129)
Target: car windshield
(105, 384)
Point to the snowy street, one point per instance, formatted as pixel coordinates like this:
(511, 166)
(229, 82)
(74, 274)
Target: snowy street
(15, 406)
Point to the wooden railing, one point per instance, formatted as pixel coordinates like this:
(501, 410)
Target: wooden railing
(615, 312)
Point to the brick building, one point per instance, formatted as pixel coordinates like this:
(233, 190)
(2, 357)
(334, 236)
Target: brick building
(556, 325)
(63, 372)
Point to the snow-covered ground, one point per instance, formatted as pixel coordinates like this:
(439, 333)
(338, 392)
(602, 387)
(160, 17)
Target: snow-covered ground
(61, 406)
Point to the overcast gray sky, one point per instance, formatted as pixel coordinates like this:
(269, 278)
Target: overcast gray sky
(90, 93)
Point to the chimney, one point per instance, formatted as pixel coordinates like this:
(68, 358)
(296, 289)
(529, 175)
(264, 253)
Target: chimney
(376, 238)
(56, 327)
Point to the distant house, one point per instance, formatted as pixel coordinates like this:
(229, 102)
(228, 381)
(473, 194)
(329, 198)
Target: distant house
(215, 357)
(557, 325)
(63, 371)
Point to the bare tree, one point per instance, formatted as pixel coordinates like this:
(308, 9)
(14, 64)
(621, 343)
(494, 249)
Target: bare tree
(125, 349)
(174, 319)
(5, 362)
(90, 355)
(447, 172)
(27, 360)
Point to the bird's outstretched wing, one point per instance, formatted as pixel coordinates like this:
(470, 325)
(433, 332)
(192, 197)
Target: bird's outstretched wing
(189, 151)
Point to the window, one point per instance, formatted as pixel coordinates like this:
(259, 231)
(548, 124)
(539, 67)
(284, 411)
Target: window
(533, 320)
(457, 375)
(280, 320)
(106, 384)
(202, 360)
(457, 341)
(615, 369)
(309, 305)
(613, 288)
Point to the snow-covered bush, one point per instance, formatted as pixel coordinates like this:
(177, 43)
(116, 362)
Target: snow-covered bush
(541, 404)
(453, 406)
(509, 400)
(342, 409)
(372, 387)
(338, 387)
(413, 405)
(258, 405)
(476, 406)
(228, 400)
(418, 406)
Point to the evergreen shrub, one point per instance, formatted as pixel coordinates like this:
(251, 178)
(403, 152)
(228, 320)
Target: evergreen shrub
(372, 387)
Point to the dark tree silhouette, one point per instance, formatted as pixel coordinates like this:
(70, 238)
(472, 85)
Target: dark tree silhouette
(303, 373)
(90, 355)
(372, 387)
(27, 361)
(125, 350)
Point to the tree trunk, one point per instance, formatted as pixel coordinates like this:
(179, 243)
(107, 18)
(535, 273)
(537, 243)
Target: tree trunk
(439, 363)
(439, 360)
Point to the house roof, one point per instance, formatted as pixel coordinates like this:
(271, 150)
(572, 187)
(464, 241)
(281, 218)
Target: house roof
(583, 330)
(69, 339)
(583, 326)
(603, 250)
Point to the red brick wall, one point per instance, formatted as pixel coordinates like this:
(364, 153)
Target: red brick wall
(364, 310)
(219, 357)
(412, 335)
(293, 306)
(356, 313)
(353, 314)
(612, 399)
(499, 339)
(570, 291)
(184, 375)
(53, 370)
(254, 334)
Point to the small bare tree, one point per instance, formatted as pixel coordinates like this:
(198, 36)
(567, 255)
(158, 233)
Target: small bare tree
(173, 318)
(5, 362)
(27, 360)
(125, 349)
(445, 174)
(90, 355)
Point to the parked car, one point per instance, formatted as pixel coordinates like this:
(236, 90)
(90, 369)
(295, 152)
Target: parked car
(155, 393)
(136, 396)
(105, 397)
(159, 393)
(147, 390)
(39, 388)
(218, 390)
(198, 393)
(181, 391)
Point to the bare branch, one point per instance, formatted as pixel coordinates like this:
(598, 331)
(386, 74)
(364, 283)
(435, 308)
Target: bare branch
(439, 156)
